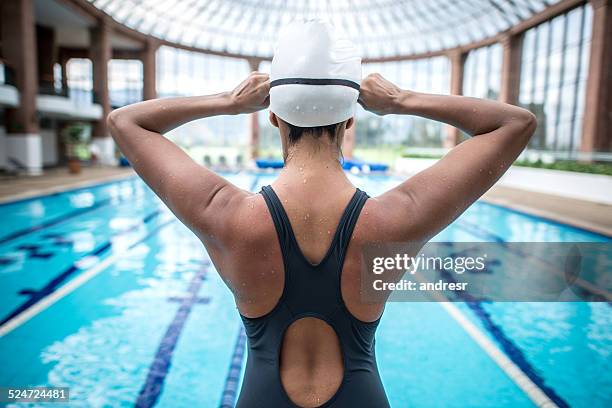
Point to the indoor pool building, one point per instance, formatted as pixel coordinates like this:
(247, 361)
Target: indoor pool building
(104, 292)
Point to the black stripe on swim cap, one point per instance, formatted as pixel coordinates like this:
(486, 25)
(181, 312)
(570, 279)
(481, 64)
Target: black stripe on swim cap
(314, 81)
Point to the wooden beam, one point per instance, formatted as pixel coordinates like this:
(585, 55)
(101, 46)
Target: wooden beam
(512, 48)
(100, 56)
(596, 126)
(19, 50)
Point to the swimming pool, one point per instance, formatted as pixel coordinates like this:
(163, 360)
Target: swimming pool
(105, 292)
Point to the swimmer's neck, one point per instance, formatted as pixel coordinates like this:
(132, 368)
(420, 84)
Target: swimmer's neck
(313, 158)
(313, 155)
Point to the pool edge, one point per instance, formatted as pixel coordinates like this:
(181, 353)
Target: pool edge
(549, 216)
(53, 190)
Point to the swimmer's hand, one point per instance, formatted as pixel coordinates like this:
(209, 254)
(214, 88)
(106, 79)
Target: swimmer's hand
(379, 95)
(252, 94)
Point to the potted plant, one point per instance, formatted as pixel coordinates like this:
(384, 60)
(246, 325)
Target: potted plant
(76, 137)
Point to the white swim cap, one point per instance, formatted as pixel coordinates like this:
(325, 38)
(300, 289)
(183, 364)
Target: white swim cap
(315, 75)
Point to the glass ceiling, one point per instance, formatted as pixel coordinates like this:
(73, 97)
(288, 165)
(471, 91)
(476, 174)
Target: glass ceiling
(380, 28)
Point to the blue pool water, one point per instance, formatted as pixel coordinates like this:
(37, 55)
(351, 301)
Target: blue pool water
(125, 308)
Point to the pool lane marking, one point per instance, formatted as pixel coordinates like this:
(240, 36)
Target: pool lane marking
(149, 393)
(230, 388)
(159, 368)
(511, 350)
(6, 326)
(48, 300)
(516, 374)
(512, 370)
(52, 285)
(54, 221)
(483, 233)
(61, 218)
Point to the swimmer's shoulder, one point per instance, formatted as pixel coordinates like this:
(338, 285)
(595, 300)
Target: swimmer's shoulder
(248, 222)
(384, 219)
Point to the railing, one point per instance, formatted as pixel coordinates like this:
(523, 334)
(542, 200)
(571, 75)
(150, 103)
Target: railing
(46, 88)
(79, 96)
(87, 96)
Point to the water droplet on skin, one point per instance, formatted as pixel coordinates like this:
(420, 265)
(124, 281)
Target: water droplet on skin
(328, 232)
(243, 283)
(305, 181)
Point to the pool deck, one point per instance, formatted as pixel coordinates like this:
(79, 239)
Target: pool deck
(57, 180)
(588, 215)
(580, 213)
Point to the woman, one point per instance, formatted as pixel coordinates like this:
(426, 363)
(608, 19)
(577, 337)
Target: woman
(291, 254)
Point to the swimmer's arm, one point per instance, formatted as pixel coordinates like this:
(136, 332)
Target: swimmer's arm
(198, 196)
(433, 198)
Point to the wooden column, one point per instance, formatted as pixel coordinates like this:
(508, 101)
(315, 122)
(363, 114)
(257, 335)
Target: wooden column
(100, 55)
(254, 118)
(149, 87)
(19, 50)
(596, 129)
(457, 60)
(512, 46)
(46, 56)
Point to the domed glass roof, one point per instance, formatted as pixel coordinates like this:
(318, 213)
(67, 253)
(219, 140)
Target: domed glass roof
(381, 28)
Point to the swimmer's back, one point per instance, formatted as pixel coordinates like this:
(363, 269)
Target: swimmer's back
(311, 366)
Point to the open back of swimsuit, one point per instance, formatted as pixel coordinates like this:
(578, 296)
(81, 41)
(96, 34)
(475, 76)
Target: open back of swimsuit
(311, 291)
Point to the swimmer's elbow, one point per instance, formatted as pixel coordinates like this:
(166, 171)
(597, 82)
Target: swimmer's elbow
(525, 124)
(117, 122)
(530, 122)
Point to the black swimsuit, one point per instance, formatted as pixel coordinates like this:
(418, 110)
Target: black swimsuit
(311, 291)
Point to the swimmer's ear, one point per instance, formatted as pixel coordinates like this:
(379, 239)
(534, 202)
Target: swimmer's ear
(273, 119)
(350, 123)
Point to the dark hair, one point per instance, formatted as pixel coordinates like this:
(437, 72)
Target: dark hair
(296, 132)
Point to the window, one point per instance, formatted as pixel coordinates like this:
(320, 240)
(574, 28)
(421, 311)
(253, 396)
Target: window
(80, 80)
(553, 79)
(186, 73)
(430, 75)
(482, 72)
